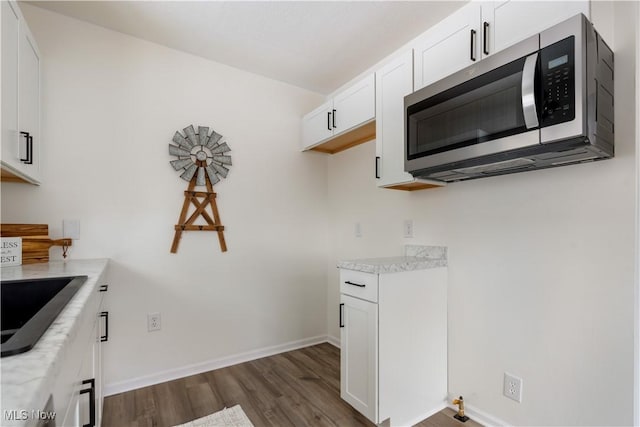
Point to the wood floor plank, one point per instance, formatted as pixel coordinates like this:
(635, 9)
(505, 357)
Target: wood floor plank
(445, 418)
(300, 409)
(172, 403)
(296, 388)
(202, 399)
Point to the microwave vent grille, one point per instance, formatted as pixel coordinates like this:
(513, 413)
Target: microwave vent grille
(520, 163)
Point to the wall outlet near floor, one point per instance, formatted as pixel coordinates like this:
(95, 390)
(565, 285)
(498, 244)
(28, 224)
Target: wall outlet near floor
(512, 387)
(153, 322)
(407, 227)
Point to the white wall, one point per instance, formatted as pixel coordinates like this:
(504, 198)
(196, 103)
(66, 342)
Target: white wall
(541, 268)
(111, 106)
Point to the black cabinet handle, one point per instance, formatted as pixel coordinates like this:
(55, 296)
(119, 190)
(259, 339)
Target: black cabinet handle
(355, 284)
(26, 140)
(333, 119)
(105, 337)
(29, 150)
(377, 165)
(473, 39)
(92, 401)
(341, 315)
(485, 38)
(329, 120)
(103, 288)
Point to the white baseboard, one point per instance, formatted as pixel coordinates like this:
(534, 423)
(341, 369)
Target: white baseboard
(209, 365)
(481, 417)
(333, 341)
(426, 414)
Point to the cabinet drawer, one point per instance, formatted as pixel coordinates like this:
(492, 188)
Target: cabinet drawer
(359, 284)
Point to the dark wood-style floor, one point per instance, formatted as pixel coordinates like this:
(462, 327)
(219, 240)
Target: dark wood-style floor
(297, 388)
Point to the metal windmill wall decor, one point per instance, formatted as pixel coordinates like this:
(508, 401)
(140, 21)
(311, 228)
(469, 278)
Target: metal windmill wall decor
(203, 160)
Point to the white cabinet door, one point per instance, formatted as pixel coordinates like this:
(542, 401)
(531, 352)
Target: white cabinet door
(393, 82)
(20, 96)
(29, 100)
(97, 358)
(449, 46)
(10, 42)
(355, 105)
(82, 388)
(512, 21)
(359, 355)
(317, 125)
(87, 387)
(351, 108)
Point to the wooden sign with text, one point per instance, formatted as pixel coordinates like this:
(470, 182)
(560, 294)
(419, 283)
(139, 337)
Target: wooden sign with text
(10, 251)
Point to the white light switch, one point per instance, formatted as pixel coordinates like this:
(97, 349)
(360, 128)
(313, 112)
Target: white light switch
(71, 229)
(407, 227)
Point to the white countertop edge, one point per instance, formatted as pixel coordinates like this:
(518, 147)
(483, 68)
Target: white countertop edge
(391, 265)
(27, 378)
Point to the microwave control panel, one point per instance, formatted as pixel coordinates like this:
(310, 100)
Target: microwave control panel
(557, 83)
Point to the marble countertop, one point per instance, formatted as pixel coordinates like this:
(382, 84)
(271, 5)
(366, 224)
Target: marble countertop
(415, 258)
(28, 378)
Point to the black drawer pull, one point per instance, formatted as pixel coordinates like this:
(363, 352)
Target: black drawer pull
(485, 40)
(92, 401)
(29, 150)
(105, 337)
(355, 284)
(103, 288)
(26, 140)
(473, 40)
(341, 315)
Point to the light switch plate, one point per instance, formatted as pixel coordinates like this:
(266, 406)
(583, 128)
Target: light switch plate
(71, 229)
(358, 229)
(407, 228)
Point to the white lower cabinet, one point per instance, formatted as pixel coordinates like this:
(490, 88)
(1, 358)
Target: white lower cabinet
(359, 361)
(393, 335)
(78, 392)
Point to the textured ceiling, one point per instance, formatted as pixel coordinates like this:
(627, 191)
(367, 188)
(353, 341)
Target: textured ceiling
(315, 45)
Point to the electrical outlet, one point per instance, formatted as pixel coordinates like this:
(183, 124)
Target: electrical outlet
(153, 322)
(358, 229)
(512, 387)
(407, 226)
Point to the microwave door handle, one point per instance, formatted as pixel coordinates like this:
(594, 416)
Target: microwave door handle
(529, 109)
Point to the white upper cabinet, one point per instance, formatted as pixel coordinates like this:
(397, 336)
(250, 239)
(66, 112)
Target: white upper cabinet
(449, 46)
(505, 23)
(394, 81)
(480, 29)
(20, 98)
(343, 114)
(317, 125)
(355, 105)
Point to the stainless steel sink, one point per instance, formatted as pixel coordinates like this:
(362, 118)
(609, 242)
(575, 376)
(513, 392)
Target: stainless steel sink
(28, 307)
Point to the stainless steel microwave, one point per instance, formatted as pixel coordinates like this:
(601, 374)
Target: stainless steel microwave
(546, 101)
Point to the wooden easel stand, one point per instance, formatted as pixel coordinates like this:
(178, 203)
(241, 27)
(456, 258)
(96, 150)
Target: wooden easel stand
(200, 199)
